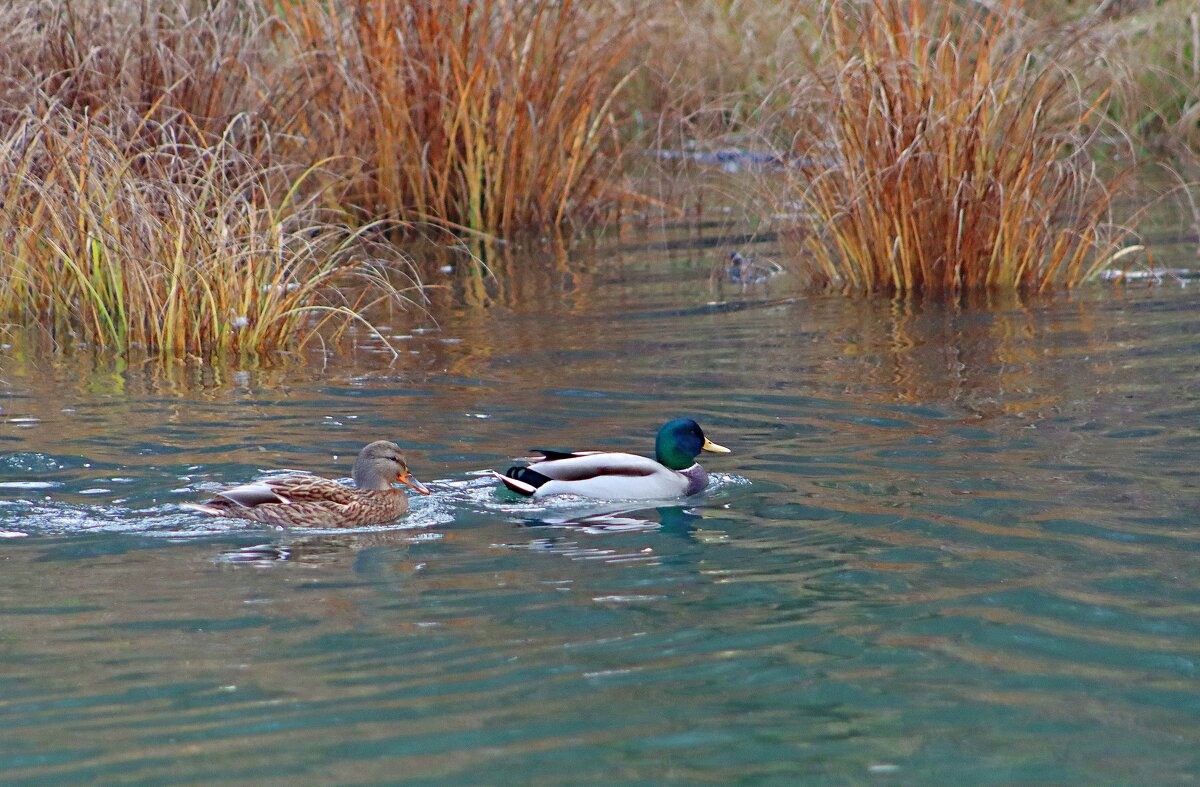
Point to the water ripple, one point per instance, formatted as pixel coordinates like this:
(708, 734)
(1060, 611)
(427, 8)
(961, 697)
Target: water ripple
(952, 543)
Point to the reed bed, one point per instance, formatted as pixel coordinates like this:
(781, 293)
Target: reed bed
(705, 69)
(180, 252)
(203, 178)
(147, 200)
(168, 68)
(488, 116)
(950, 150)
(1157, 51)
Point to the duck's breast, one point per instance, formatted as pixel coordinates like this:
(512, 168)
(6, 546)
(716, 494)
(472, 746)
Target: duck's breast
(696, 478)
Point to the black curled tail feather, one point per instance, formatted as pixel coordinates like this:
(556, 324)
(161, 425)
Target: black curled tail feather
(522, 480)
(527, 475)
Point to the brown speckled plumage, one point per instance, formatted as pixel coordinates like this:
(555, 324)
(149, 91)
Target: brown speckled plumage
(311, 501)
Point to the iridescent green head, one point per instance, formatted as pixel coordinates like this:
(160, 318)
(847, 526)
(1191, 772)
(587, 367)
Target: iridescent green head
(680, 442)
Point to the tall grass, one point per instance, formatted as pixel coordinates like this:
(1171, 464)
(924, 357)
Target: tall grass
(956, 154)
(709, 68)
(164, 164)
(185, 176)
(1158, 51)
(1150, 53)
(492, 116)
(150, 196)
(181, 251)
(171, 68)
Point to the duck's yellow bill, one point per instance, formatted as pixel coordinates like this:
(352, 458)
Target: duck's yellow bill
(709, 445)
(407, 479)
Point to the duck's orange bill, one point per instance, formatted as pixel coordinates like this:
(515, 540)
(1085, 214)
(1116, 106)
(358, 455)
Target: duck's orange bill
(407, 479)
(709, 445)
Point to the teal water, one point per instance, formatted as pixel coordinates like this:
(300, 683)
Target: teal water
(952, 544)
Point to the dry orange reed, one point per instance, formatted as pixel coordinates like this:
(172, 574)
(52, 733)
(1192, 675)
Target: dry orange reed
(144, 203)
(957, 154)
(178, 177)
(491, 116)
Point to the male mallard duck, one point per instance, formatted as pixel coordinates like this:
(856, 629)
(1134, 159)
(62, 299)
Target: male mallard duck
(614, 476)
(301, 500)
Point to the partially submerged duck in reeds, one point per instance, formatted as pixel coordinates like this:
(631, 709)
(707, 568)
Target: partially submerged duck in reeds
(744, 272)
(303, 500)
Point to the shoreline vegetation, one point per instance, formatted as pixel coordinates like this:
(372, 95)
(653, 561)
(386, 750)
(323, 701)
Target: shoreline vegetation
(223, 178)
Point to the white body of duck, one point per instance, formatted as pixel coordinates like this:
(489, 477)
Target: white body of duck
(620, 476)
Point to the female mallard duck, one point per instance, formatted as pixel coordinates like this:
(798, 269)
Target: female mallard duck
(613, 476)
(300, 500)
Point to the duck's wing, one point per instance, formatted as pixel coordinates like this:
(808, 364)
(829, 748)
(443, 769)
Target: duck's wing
(585, 466)
(605, 476)
(563, 471)
(288, 489)
(250, 495)
(550, 454)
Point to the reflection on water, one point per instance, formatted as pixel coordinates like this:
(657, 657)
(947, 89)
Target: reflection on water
(953, 543)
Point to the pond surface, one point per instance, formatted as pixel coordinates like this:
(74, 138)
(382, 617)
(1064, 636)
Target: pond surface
(951, 544)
